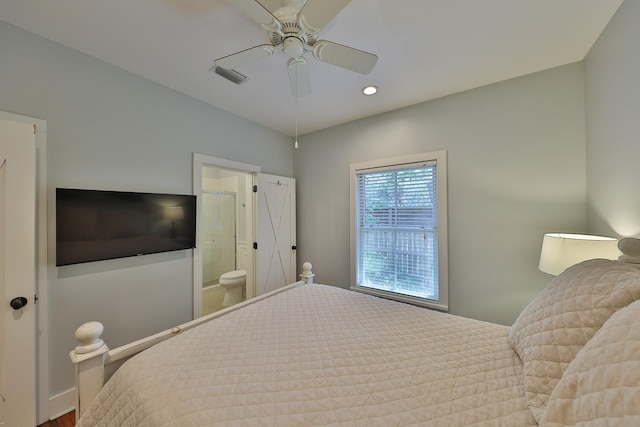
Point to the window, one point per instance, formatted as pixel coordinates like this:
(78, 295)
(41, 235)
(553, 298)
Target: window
(399, 228)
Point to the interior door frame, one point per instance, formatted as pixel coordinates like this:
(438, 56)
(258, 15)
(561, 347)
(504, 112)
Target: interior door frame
(200, 161)
(42, 340)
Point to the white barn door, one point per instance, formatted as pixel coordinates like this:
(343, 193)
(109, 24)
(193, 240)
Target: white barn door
(17, 274)
(276, 231)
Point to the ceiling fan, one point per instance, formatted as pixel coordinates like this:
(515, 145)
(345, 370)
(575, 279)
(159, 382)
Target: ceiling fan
(294, 29)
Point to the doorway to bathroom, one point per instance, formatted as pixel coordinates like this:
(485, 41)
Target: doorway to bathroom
(218, 235)
(218, 239)
(265, 226)
(213, 175)
(225, 235)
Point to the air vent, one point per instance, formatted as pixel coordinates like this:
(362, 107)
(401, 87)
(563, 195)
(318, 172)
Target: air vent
(231, 75)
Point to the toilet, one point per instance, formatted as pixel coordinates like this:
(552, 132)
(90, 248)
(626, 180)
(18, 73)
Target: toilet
(233, 283)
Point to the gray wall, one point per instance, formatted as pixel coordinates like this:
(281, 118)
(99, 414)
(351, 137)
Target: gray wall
(109, 129)
(612, 100)
(516, 166)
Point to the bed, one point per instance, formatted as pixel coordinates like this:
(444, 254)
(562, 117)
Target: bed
(317, 355)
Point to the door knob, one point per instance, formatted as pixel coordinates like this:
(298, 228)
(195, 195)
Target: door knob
(18, 302)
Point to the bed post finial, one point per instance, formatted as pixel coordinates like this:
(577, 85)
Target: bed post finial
(307, 275)
(88, 357)
(88, 337)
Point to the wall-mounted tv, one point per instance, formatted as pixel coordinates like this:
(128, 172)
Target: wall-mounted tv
(95, 225)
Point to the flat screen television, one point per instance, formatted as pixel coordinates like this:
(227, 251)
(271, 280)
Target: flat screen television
(95, 225)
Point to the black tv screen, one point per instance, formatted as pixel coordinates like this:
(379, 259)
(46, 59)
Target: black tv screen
(94, 225)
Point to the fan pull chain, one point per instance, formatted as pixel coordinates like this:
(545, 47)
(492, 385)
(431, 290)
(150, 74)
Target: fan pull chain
(295, 145)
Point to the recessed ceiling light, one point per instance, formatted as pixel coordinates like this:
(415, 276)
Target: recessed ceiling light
(370, 90)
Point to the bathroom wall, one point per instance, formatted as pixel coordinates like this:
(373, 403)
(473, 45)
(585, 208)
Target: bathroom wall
(231, 181)
(215, 259)
(217, 235)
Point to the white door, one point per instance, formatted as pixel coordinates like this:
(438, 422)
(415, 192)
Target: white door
(17, 274)
(276, 257)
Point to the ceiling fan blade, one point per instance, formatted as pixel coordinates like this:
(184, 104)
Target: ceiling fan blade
(344, 56)
(316, 14)
(299, 76)
(257, 13)
(244, 57)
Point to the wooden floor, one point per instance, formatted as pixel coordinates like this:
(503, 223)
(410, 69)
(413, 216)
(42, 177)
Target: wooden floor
(67, 420)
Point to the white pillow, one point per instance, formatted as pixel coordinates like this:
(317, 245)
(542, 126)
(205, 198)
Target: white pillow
(601, 387)
(563, 317)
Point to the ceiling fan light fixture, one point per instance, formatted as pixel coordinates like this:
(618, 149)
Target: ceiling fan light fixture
(293, 47)
(370, 90)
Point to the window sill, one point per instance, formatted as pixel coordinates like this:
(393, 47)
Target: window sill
(422, 302)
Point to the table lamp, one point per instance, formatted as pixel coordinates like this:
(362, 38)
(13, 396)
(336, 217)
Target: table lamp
(560, 251)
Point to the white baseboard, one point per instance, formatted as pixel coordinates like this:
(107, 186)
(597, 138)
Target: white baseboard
(62, 403)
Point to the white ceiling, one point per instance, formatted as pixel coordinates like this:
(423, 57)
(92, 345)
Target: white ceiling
(426, 49)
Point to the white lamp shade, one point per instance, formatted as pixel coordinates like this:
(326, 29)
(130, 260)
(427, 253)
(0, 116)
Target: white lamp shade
(561, 251)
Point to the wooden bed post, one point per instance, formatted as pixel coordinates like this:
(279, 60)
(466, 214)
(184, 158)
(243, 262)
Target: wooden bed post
(88, 357)
(307, 275)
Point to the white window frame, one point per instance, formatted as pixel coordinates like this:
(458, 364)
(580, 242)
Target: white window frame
(440, 159)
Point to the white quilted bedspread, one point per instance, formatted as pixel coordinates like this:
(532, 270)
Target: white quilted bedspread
(318, 355)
